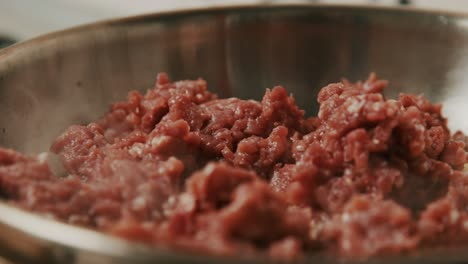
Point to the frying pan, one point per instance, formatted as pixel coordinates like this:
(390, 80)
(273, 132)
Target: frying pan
(72, 76)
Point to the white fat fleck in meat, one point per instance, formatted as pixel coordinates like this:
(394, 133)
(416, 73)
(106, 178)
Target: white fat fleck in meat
(136, 150)
(171, 200)
(419, 128)
(347, 171)
(209, 168)
(300, 148)
(169, 205)
(355, 105)
(377, 106)
(333, 132)
(320, 114)
(171, 101)
(186, 202)
(345, 217)
(366, 86)
(274, 144)
(391, 107)
(139, 203)
(182, 84)
(159, 141)
(314, 229)
(454, 216)
(42, 157)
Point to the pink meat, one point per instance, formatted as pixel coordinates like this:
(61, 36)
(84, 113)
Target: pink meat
(179, 167)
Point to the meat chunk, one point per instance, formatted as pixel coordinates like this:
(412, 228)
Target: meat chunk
(179, 167)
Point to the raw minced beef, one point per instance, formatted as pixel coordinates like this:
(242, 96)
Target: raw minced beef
(179, 167)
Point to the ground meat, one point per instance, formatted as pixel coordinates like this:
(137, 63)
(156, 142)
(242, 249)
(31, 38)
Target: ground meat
(369, 226)
(179, 167)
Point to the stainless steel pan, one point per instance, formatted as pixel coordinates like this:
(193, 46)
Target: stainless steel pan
(72, 76)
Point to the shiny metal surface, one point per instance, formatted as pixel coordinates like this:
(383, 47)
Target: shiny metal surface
(71, 77)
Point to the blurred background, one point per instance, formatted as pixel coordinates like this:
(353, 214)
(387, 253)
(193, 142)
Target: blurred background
(23, 19)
